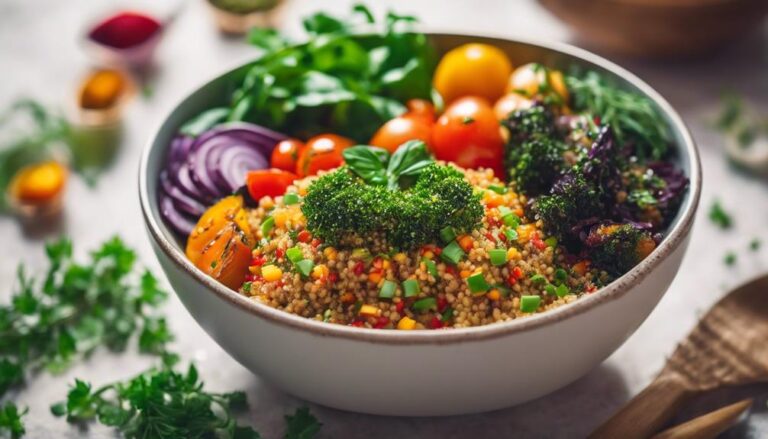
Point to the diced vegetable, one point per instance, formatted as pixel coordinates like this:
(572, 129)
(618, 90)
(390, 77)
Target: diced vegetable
(529, 303)
(424, 304)
(411, 287)
(267, 226)
(550, 289)
(305, 267)
(226, 257)
(369, 311)
(406, 324)
(268, 182)
(561, 275)
(551, 241)
(227, 211)
(508, 217)
(562, 290)
(511, 234)
(387, 290)
(477, 283)
(452, 253)
(447, 234)
(538, 279)
(431, 267)
(498, 256)
(361, 253)
(271, 273)
(291, 198)
(501, 190)
(294, 254)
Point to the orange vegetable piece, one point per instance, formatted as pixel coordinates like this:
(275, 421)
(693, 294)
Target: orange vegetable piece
(227, 211)
(39, 183)
(102, 90)
(226, 257)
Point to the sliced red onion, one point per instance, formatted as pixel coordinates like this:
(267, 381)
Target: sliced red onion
(173, 218)
(182, 201)
(201, 170)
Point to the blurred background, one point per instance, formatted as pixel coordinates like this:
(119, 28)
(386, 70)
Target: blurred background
(84, 84)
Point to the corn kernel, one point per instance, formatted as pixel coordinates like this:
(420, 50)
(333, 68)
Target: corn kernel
(513, 254)
(320, 271)
(492, 199)
(465, 274)
(369, 311)
(271, 273)
(330, 253)
(465, 242)
(385, 264)
(494, 294)
(429, 254)
(374, 277)
(406, 324)
(280, 216)
(399, 257)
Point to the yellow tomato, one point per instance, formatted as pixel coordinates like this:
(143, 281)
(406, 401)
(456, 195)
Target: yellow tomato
(39, 183)
(472, 70)
(509, 103)
(528, 80)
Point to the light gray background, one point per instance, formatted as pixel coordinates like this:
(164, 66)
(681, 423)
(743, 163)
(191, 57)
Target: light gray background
(40, 57)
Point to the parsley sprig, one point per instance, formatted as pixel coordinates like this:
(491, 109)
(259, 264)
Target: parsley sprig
(76, 308)
(10, 420)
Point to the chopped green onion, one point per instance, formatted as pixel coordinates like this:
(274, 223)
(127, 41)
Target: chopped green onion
(538, 279)
(267, 226)
(498, 256)
(305, 267)
(447, 234)
(499, 189)
(291, 198)
(550, 289)
(561, 275)
(551, 241)
(424, 304)
(529, 303)
(477, 283)
(508, 217)
(294, 254)
(447, 314)
(503, 290)
(411, 287)
(452, 253)
(730, 258)
(511, 234)
(562, 290)
(361, 253)
(431, 266)
(388, 289)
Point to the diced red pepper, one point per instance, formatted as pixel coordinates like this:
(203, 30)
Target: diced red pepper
(378, 262)
(437, 251)
(315, 243)
(279, 253)
(537, 242)
(435, 323)
(258, 261)
(304, 236)
(502, 237)
(511, 280)
(451, 270)
(333, 277)
(357, 323)
(493, 221)
(399, 306)
(442, 303)
(490, 236)
(381, 322)
(517, 272)
(359, 268)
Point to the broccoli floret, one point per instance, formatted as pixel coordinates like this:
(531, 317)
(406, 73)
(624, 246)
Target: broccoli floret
(522, 124)
(340, 204)
(573, 200)
(616, 248)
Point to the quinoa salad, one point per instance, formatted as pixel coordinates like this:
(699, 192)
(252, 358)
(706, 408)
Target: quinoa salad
(452, 202)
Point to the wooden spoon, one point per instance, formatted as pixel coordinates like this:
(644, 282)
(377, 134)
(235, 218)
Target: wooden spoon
(708, 426)
(728, 347)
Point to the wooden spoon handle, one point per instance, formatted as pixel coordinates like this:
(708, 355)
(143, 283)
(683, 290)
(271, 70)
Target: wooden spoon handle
(708, 426)
(647, 412)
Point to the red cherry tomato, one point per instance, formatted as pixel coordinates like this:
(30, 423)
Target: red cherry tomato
(400, 130)
(286, 154)
(323, 152)
(468, 134)
(420, 108)
(268, 182)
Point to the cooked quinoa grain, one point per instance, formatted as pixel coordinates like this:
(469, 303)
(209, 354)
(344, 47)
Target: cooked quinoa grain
(368, 284)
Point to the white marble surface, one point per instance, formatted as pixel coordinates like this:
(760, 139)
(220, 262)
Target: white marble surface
(40, 57)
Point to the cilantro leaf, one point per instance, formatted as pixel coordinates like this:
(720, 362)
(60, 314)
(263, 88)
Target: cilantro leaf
(302, 425)
(719, 216)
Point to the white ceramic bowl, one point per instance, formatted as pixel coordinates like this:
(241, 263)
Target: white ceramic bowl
(416, 373)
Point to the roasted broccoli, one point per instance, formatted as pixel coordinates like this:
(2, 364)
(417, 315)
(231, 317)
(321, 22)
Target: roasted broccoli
(616, 248)
(340, 205)
(573, 201)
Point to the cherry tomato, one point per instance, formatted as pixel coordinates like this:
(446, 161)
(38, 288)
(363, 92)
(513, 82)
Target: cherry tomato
(322, 152)
(286, 154)
(400, 130)
(472, 70)
(534, 79)
(420, 108)
(268, 182)
(469, 135)
(510, 103)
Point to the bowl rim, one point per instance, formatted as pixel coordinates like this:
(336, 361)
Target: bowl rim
(613, 291)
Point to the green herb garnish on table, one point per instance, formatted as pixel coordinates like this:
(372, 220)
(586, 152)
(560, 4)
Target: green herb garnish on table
(10, 420)
(76, 308)
(719, 216)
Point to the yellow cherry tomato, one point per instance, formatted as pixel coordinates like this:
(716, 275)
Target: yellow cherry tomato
(472, 70)
(533, 79)
(510, 103)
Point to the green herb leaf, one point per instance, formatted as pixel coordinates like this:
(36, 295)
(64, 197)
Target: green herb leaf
(719, 216)
(302, 425)
(10, 420)
(204, 121)
(408, 160)
(368, 162)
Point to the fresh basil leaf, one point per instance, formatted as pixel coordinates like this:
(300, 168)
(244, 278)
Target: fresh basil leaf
(408, 160)
(204, 121)
(365, 12)
(368, 162)
(321, 23)
(267, 39)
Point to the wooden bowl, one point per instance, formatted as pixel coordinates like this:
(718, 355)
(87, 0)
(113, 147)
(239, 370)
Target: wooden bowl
(660, 28)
